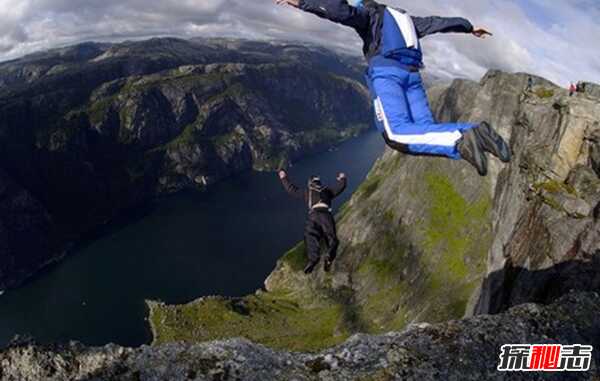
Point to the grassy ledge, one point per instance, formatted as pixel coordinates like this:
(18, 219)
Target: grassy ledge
(271, 319)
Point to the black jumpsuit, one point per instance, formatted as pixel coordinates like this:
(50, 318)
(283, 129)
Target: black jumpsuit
(320, 223)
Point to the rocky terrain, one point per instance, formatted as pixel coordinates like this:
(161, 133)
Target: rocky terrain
(457, 350)
(452, 264)
(88, 132)
(427, 240)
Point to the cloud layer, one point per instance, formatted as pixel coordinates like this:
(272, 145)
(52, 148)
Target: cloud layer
(557, 40)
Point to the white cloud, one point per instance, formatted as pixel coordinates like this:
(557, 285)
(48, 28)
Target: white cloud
(557, 40)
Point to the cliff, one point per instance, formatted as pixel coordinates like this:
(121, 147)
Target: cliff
(427, 240)
(90, 131)
(457, 350)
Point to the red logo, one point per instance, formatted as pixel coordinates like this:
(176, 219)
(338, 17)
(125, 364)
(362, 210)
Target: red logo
(545, 358)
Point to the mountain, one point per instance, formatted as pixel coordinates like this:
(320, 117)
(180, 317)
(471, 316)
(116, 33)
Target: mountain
(422, 352)
(427, 240)
(90, 131)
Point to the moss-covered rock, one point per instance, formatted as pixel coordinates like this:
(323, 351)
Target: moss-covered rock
(273, 319)
(466, 350)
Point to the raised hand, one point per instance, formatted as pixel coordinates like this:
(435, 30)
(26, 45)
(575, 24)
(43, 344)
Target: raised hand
(282, 174)
(341, 176)
(293, 3)
(481, 33)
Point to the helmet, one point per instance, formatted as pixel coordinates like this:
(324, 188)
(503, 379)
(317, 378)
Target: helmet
(314, 181)
(356, 3)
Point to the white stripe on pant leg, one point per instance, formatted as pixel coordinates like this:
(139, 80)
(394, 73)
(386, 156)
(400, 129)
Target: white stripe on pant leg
(446, 139)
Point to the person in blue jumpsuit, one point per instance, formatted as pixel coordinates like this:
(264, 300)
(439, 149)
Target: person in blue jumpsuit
(392, 47)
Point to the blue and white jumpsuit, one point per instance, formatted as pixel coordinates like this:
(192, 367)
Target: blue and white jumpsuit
(392, 47)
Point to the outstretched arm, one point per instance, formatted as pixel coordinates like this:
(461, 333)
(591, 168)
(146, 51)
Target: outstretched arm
(289, 187)
(430, 25)
(339, 188)
(338, 11)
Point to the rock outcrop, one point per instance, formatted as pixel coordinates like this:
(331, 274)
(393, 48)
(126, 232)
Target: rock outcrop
(591, 89)
(424, 240)
(546, 232)
(457, 350)
(90, 131)
(427, 240)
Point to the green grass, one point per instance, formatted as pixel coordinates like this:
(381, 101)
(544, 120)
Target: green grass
(370, 185)
(453, 223)
(543, 92)
(380, 310)
(554, 186)
(457, 238)
(269, 319)
(296, 257)
(387, 258)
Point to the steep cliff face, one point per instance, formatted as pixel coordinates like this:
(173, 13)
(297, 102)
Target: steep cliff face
(24, 223)
(92, 130)
(424, 240)
(427, 240)
(546, 238)
(457, 350)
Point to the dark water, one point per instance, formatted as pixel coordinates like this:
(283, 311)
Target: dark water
(223, 241)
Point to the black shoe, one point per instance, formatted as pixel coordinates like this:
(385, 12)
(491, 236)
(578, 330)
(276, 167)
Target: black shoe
(327, 265)
(310, 267)
(471, 150)
(492, 142)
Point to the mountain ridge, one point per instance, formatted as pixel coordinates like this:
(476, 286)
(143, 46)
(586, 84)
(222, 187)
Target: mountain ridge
(91, 131)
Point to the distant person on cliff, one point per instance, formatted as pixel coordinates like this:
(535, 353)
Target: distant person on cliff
(320, 224)
(529, 84)
(393, 50)
(572, 89)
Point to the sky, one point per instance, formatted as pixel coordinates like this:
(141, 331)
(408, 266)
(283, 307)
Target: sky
(555, 39)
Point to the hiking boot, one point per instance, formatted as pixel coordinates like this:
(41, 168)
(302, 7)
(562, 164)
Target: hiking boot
(327, 265)
(310, 267)
(471, 150)
(492, 142)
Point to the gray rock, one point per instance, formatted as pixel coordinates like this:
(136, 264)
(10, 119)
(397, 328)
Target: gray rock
(458, 350)
(544, 203)
(591, 89)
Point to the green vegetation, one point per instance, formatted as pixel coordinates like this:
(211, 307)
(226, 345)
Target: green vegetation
(227, 138)
(98, 110)
(548, 189)
(187, 136)
(398, 278)
(370, 185)
(383, 311)
(457, 237)
(271, 319)
(543, 92)
(296, 257)
(554, 186)
(452, 223)
(387, 258)
(174, 78)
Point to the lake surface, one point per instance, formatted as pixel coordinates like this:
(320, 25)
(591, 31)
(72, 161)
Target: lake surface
(223, 241)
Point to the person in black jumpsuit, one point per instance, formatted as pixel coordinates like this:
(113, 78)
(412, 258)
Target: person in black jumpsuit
(320, 224)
